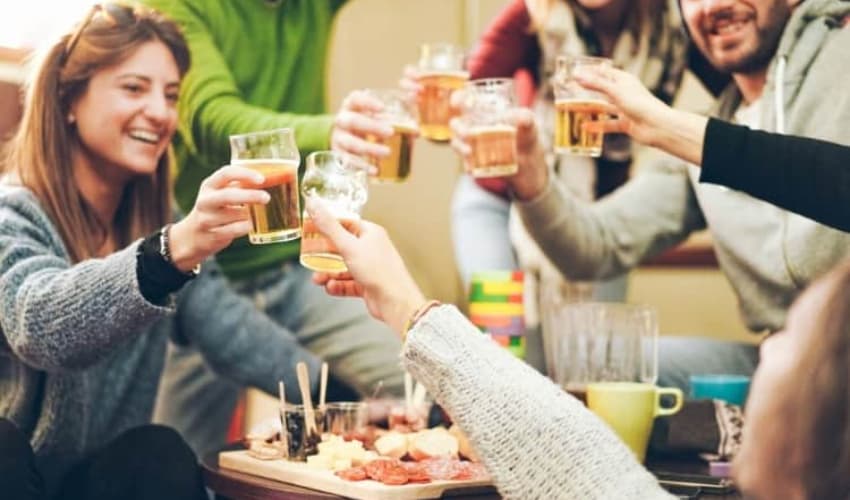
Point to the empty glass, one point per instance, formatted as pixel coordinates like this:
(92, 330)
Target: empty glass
(602, 342)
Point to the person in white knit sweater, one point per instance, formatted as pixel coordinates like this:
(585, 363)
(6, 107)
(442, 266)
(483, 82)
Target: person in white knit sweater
(537, 441)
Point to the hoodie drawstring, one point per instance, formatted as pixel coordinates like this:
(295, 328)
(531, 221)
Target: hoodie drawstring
(779, 94)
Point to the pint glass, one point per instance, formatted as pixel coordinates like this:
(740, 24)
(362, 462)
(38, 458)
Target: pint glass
(400, 113)
(273, 154)
(486, 108)
(575, 107)
(441, 71)
(339, 181)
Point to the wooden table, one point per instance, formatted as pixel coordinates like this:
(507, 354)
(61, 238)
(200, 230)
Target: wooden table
(232, 485)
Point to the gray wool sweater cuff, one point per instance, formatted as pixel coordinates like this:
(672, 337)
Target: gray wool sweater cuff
(536, 440)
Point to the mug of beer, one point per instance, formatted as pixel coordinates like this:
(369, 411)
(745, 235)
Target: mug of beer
(441, 71)
(400, 113)
(485, 111)
(339, 180)
(274, 154)
(575, 107)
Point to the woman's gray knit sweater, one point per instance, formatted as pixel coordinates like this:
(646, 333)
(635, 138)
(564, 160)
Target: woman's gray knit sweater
(536, 440)
(81, 350)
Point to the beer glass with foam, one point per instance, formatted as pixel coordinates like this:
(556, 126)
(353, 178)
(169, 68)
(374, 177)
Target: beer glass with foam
(575, 107)
(485, 111)
(400, 113)
(339, 180)
(441, 71)
(274, 154)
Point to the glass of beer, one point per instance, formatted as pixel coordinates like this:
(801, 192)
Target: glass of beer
(339, 180)
(575, 107)
(441, 71)
(485, 111)
(274, 154)
(400, 113)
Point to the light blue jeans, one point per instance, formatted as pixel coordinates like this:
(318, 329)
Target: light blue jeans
(360, 352)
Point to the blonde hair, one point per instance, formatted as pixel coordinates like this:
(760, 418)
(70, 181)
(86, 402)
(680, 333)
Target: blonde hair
(39, 154)
(639, 12)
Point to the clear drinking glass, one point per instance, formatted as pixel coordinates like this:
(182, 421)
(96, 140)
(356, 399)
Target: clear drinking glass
(274, 154)
(486, 108)
(299, 442)
(347, 419)
(401, 114)
(576, 106)
(603, 342)
(339, 180)
(441, 71)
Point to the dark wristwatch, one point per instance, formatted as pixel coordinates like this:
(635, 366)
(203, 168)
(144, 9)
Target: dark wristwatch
(165, 252)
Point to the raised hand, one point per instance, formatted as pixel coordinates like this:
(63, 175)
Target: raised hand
(218, 217)
(355, 123)
(376, 271)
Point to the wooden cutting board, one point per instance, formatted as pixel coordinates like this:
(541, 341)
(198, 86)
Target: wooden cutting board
(300, 474)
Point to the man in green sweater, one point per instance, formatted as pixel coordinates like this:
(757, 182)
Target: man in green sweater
(259, 65)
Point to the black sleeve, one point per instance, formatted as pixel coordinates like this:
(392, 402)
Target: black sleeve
(157, 277)
(806, 176)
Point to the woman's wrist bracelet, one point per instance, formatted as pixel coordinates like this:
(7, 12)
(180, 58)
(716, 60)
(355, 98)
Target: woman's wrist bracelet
(417, 315)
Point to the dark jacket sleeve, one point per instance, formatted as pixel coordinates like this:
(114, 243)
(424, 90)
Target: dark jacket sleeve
(806, 176)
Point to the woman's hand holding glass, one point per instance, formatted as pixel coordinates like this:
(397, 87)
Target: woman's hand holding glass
(376, 271)
(218, 217)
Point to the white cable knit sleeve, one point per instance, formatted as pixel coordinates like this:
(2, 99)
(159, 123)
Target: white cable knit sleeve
(536, 440)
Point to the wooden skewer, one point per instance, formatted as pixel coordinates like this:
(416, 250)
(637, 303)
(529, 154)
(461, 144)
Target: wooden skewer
(306, 398)
(408, 392)
(418, 396)
(323, 385)
(284, 432)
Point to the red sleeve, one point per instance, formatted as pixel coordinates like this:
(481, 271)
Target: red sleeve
(506, 45)
(507, 48)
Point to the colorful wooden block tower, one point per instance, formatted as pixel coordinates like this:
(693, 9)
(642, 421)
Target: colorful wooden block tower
(496, 307)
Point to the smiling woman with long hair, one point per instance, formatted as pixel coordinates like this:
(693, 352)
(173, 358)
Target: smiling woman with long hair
(94, 280)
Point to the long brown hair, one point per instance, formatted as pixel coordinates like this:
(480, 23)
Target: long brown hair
(813, 412)
(639, 11)
(39, 154)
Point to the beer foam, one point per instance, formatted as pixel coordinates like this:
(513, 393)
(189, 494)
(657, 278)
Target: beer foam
(582, 101)
(407, 127)
(265, 161)
(445, 73)
(492, 128)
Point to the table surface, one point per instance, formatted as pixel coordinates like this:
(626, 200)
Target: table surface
(238, 486)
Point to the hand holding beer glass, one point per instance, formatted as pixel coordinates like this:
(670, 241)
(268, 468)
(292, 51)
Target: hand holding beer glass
(441, 71)
(486, 110)
(275, 156)
(576, 107)
(339, 180)
(400, 113)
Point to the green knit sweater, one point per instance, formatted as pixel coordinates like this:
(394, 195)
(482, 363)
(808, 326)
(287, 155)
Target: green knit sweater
(256, 65)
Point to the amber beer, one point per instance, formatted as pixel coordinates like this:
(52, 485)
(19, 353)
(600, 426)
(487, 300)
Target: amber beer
(571, 136)
(434, 105)
(493, 151)
(278, 219)
(396, 166)
(318, 253)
